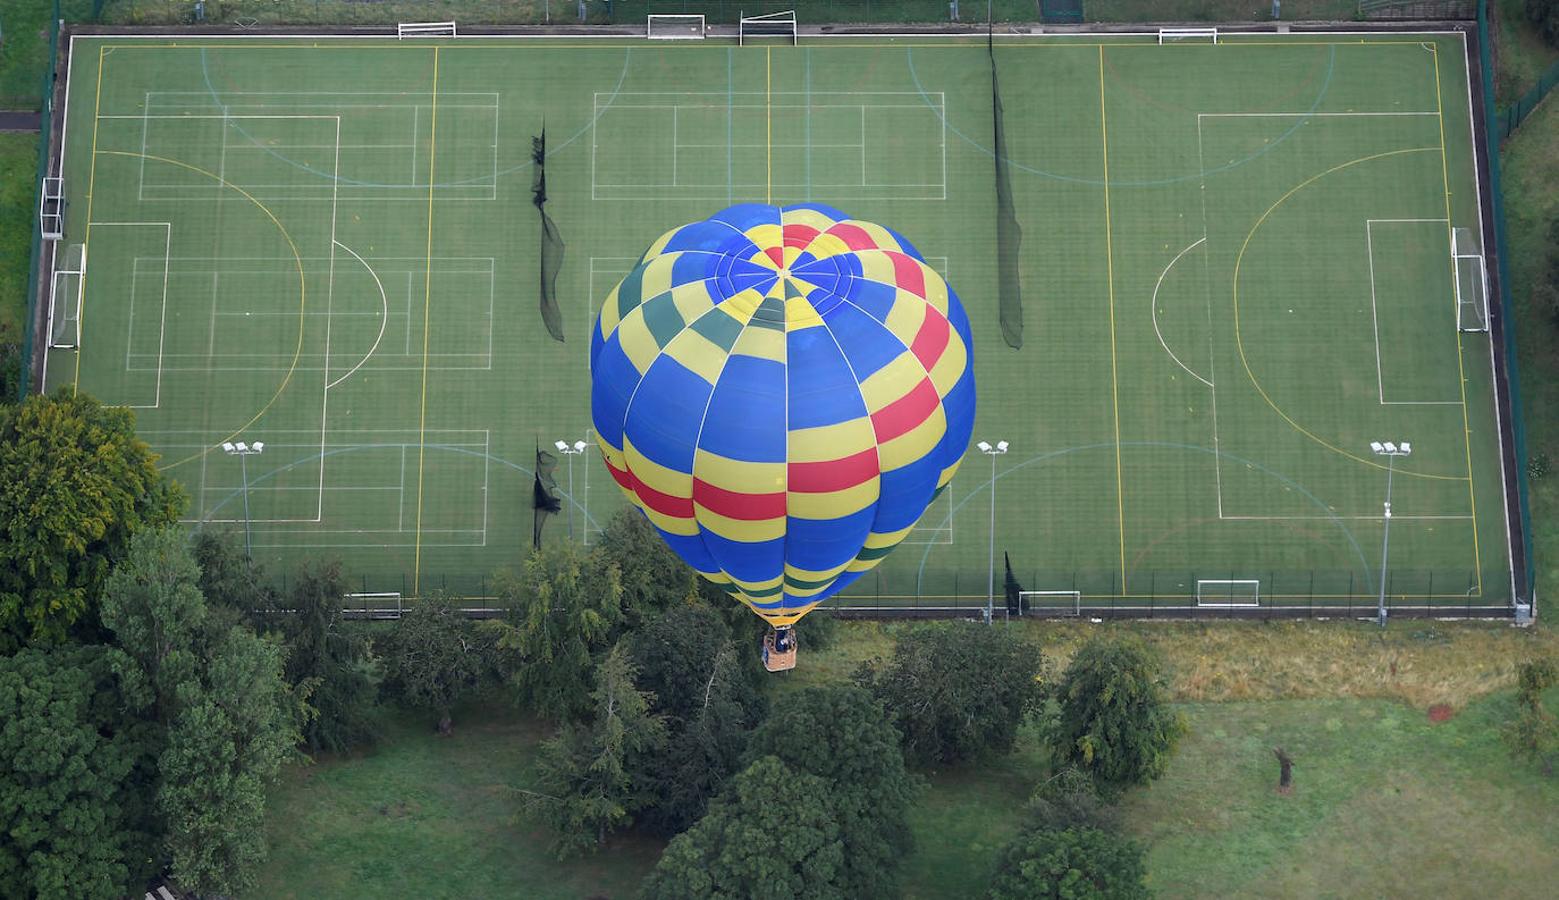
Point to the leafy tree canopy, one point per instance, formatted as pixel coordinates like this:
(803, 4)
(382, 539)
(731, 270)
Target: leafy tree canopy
(654, 578)
(75, 778)
(958, 690)
(842, 735)
(1070, 864)
(587, 772)
(772, 837)
(433, 656)
(329, 660)
(566, 607)
(1115, 722)
(75, 484)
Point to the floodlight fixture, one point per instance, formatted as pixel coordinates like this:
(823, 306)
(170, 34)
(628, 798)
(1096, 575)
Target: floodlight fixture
(257, 446)
(1377, 447)
(1390, 450)
(1406, 448)
(990, 587)
(1390, 447)
(984, 447)
(1001, 446)
(579, 446)
(561, 445)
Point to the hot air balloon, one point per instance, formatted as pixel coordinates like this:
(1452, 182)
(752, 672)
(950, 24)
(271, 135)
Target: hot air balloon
(782, 391)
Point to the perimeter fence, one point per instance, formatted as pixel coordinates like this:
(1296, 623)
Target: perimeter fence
(1507, 120)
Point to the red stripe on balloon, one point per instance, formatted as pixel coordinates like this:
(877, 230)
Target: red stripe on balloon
(799, 235)
(931, 340)
(908, 275)
(665, 504)
(833, 475)
(622, 476)
(903, 414)
(854, 236)
(777, 254)
(736, 505)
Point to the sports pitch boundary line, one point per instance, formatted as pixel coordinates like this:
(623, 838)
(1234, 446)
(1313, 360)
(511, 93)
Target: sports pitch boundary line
(1109, 263)
(427, 307)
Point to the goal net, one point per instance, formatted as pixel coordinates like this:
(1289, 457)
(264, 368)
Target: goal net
(1187, 36)
(780, 24)
(405, 30)
(1050, 603)
(1472, 293)
(674, 28)
(1228, 592)
(65, 292)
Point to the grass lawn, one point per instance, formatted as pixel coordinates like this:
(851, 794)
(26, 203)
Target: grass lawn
(425, 816)
(1523, 55)
(18, 162)
(1385, 804)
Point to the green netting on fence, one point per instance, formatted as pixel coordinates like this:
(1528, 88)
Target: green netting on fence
(1527, 588)
(1507, 120)
(35, 262)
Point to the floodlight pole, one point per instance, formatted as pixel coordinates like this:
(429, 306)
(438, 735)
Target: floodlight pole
(243, 451)
(990, 585)
(1390, 451)
(571, 451)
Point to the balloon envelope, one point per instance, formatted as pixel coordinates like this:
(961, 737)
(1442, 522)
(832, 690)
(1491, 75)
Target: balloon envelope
(782, 391)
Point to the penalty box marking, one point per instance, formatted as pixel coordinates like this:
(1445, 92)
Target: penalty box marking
(1201, 163)
(758, 100)
(223, 266)
(147, 116)
(162, 316)
(1380, 381)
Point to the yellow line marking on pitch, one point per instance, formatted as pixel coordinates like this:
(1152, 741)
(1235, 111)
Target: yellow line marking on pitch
(1109, 263)
(297, 259)
(1239, 341)
(768, 122)
(86, 240)
(427, 305)
(1461, 372)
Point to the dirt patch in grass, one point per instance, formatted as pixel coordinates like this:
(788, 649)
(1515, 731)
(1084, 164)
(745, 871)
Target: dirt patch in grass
(1441, 712)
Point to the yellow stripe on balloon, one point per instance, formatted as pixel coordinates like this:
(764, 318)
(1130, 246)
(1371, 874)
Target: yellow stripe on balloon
(762, 343)
(905, 317)
(826, 443)
(654, 475)
(892, 381)
(698, 354)
(765, 235)
(810, 217)
(880, 236)
(609, 312)
(950, 366)
(659, 246)
(799, 314)
(691, 300)
(738, 475)
(638, 343)
(833, 504)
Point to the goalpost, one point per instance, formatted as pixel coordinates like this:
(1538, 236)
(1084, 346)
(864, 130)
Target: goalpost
(1187, 36)
(780, 24)
(1472, 292)
(674, 28)
(405, 30)
(1054, 603)
(1228, 592)
(375, 604)
(65, 290)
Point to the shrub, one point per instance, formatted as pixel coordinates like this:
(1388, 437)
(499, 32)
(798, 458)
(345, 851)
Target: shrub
(1114, 721)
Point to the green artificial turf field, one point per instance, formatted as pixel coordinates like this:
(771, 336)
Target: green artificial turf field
(1236, 273)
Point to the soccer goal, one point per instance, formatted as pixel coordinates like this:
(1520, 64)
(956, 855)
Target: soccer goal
(65, 290)
(674, 28)
(1472, 292)
(374, 605)
(780, 24)
(1228, 592)
(1187, 36)
(1050, 603)
(51, 209)
(426, 29)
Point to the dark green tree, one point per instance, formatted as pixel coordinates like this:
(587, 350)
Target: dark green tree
(772, 836)
(1533, 734)
(842, 735)
(588, 787)
(236, 725)
(654, 579)
(1544, 16)
(75, 484)
(1069, 798)
(958, 690)
(229, 578)
(1079, 863)
(76, 778)
(1115, 722)
(329, 660)
(565, 609)
(217, 692)
(434, 656)
(686, 657)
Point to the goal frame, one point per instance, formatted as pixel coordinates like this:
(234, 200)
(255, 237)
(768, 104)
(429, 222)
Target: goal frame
(1230, 601)
(67, 307)
(778, 24)
(1478, 304)
(369, 608)
(1176, 34)
(404, 30)
(691, 20)
(1072, 600)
